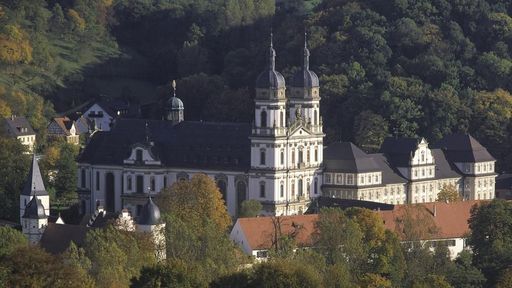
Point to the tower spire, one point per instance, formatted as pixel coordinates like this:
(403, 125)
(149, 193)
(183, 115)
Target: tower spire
(173, 85)
(272, 58)
(306, 51)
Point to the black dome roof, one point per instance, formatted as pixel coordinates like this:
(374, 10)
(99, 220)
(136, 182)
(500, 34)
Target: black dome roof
(270, 79)
(150, 214)
(34, 209)
(305, 78)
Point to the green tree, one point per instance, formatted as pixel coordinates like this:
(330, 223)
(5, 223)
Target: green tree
(10, 239)
(14, 165)
(65, 180)
(117, 255)
(505, 279)
(491, 234)
(284, 274)
(464, 274)
(173, 274)
(370, 129)
(250, 208)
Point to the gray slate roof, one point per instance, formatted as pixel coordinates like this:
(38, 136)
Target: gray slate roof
(389, 176)
(188, 144)
(443, 168)
(57, 237)
(346, 157)
(462, 147)
(34, 184)
(504, 181)
(18, 126)
(399, 150)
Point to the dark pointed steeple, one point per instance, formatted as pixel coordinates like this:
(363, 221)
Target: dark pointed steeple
(272, 54)
(306, 52)
(270, 78)
(34, 184)
(304, 78)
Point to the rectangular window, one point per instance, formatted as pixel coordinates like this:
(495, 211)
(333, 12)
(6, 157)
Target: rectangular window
(262, 157)
(97, 180)
(262, 190)
(316, 154)
(281, 190)
(350, 179)
(282, 157)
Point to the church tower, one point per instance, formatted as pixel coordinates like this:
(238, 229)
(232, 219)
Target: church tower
(150, 222)
(286, 154)
(34, 186)
(34, 220)
(174, 110)
(305, 95)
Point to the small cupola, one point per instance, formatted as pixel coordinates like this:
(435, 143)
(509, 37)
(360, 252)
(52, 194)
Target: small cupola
(174, 107)
(150, 214)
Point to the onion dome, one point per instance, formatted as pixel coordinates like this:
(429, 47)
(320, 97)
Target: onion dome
(270, 78)
(150, 214)
(34, 209)
(174, 103)
(305, 78)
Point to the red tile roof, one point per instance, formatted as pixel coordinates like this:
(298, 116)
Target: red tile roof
(259, 231)
(451, 219)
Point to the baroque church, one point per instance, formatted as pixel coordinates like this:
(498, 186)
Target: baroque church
(279, 159)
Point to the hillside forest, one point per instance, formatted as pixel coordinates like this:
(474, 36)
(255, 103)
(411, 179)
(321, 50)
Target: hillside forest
(398, 67)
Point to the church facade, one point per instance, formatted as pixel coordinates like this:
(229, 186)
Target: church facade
(278, 159)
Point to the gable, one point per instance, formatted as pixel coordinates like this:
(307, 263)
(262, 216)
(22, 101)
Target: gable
(96, 111)
(142, 154)
(300, 132)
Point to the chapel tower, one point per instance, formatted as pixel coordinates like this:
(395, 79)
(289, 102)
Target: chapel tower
(175, 108)
(34, 186)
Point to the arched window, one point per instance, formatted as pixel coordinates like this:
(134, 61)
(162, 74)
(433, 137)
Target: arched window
(308, 157)
(97, 180)
(282, 157)
(152, 185)
(281, 189)
(262, 157)
(82, 178)
(316, 154)
(308, 187)
(262, 189)
(263, 116)
(129, 180)
(301, 156)
(293, 156)
(301, 187)
(240, 194)
(281, 119)
(293, 188)
(315, 117)
(221, 183)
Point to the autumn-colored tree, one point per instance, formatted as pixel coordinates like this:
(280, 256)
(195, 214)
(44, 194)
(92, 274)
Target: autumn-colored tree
(415, 223)
(371, 280)
(50, 271)
(195, 201)
(448, 194)
(505, 279)
(15, 45)
(77, 22)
